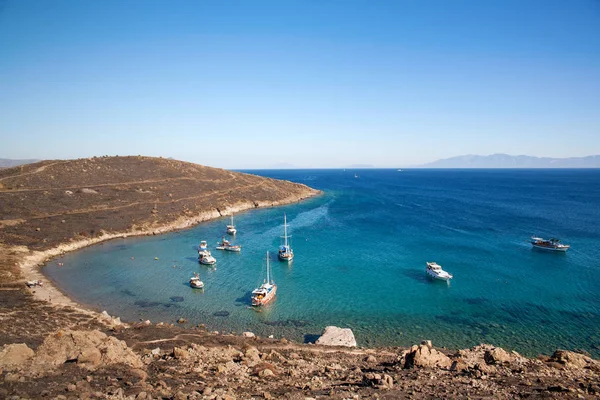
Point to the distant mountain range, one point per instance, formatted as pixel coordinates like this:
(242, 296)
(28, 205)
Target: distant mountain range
(7, 162)
(508, 161)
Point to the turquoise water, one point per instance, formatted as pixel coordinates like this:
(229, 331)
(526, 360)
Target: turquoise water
(360, 253)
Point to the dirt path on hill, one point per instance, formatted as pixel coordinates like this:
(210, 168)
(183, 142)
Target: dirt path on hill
(36, 171)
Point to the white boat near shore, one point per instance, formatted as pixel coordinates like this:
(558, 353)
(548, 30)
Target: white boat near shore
(435, 271)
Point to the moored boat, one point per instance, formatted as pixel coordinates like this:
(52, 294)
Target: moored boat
(265, 292)
(225, 244)
(195, 281)
(204, 257)
(231, 228)
(435, 271)
(285, 251)
(551, 244)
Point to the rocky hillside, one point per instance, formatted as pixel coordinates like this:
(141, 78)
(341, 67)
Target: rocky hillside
(52, 202)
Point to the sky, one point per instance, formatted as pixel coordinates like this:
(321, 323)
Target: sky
(312, 84)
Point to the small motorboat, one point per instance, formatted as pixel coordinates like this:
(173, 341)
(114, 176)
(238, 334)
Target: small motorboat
(265, 292)
(204, 257)
(436, 272)
(226, 245)
(195, 281)
(203, 245)
(231, 228)
(551, 244)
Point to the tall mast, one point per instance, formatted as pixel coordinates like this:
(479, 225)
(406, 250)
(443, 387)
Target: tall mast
(268, 277)
(285, 230)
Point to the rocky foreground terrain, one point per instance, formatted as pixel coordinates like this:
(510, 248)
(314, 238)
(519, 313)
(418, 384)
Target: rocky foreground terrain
(52, 348)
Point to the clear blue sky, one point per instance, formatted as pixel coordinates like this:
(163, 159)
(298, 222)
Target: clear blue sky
(250, 84)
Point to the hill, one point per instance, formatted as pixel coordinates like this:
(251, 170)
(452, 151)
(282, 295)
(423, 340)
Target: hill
(508, 161)
(45, 203)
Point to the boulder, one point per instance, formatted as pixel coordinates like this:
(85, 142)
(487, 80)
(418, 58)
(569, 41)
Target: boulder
(179, 353)
(251, 355)
(497, 355)
(425, 356)
(486, 358)
(334, 336)
(89, 349)
(574, 360)
(248, 334)
(13, 355)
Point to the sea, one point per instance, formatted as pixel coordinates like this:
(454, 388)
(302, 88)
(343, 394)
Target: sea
(360, 255)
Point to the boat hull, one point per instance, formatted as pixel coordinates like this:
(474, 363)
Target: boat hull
(197, 284)
(550, 248)
(256, 302)
(439, 277)
(286, 257)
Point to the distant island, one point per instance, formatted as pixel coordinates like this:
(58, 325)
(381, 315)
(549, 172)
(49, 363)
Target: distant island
(7, 162)
(508, 161)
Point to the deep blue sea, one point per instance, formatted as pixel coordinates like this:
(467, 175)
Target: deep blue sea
(360, 254)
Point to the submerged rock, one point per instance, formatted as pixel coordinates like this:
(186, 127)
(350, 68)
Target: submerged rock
(334, 336)
(221, 314)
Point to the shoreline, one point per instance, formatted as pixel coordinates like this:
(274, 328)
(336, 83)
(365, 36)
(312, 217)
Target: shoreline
(31, 262)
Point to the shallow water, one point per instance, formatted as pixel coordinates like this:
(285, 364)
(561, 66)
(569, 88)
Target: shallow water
(360, 253)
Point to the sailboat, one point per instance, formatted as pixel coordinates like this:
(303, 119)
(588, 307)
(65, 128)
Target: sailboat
(266, 292)
(231, 228)
(285, 251)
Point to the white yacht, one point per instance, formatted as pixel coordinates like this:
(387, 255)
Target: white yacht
(436, 272)
(204, 257)
(551, 244)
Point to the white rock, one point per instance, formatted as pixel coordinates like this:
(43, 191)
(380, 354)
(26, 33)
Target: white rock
(248, 334)
(105, 316)
(156, 351)
(334, 336)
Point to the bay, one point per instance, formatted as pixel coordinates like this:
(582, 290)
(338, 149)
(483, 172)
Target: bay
(360, 253)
